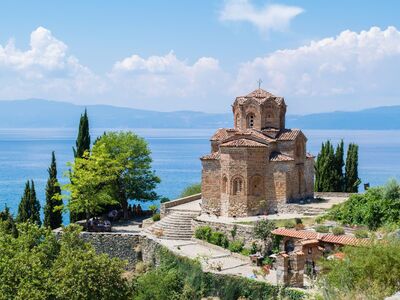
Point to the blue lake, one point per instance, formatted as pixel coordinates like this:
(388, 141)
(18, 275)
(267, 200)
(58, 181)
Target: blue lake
(25, 154)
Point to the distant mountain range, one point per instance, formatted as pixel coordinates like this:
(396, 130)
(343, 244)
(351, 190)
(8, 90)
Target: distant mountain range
(37, 113)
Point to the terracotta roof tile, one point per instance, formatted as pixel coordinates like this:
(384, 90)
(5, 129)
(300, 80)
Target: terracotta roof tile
(299, 234)
(277, 156)
(223, 133)
(288, 134)
(211, 156)
(343, 240)
(261, 96)
(243, 143)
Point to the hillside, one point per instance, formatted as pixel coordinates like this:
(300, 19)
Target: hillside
(36, 113)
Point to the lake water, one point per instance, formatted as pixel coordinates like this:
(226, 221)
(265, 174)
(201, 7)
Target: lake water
(25, 154)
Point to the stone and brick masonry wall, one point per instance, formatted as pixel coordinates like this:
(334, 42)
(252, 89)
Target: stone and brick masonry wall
(171, 204)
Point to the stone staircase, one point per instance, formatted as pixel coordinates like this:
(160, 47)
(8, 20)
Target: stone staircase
(314, 211)
(177, 225)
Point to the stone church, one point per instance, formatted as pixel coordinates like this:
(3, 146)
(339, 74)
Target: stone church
(258, 165)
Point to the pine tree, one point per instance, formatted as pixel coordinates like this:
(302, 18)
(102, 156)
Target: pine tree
(29, 207)
(351, 176)
(8, 221)
(82, 145)
(52, 219)
(83, 139)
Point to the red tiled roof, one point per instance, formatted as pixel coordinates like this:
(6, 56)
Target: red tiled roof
(327, 238)
(213, 155)
(288, 134)
(243, 143)
(260, 96)
(277, 156)
(223, 133)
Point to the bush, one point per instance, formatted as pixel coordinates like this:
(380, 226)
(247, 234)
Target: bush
(164, 199)
(191, 190)
(156, 217)
(322, 229)
(219, 239)
(153, 208)
(262, 229)
(361, 233)
(203, 233)
(236, 246)
(254, 248)
(337, 230)
(245, 252)
(289, 224)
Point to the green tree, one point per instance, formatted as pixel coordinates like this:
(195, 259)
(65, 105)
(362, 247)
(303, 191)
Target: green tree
(370, 272)
(262, 230)
(82, 145)
(339, 164)
(8, 222)
(83, 139)
(351, 178)
(52, 215)
(29, 207)
(92, 183)
(191, 190)
(135, 179)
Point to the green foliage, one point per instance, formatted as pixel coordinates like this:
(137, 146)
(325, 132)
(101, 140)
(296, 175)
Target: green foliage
(262, 229)
(52, 215)
(337, 230)
(234, 231)
(371, 272)
(153, 208)
(135, 179)
(322, 229)
(156, 217)
(254, 248)
(29, 207)
(91, 184)
(191, 190)
(289, 224)
(351, 179)
(245, 252)
(8, 223)
(219, 239)
(236, 246)
(361, 233)
(329, 176)
(203, 233)
(375, 208)
(36, 265)
(83, 140)
(164, 200)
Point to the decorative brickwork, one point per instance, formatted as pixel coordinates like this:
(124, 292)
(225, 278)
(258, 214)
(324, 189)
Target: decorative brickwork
(258, 164)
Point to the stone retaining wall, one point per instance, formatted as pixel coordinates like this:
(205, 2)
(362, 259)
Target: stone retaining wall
(170, 204)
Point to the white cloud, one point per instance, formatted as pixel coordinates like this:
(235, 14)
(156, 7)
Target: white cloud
(350, 71)
(270, 17)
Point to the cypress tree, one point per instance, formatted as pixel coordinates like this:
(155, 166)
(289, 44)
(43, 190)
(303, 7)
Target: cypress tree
(29, 207)
(351, 176)
(83, 139)
(339, 164)
(9, 222)
(52, 219)
(82, 145)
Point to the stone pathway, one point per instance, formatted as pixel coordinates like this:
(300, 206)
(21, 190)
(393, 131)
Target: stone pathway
(212, 259)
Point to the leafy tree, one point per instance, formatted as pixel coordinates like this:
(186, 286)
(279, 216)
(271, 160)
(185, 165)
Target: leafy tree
(371, 272)
(262, 230)
(191, 190)
(135, 179)
(82, 145)
(29, 207)
(8, 222)
(52, 216)
(351, 180)
(37, 265)
(83, 139)
(91, 184)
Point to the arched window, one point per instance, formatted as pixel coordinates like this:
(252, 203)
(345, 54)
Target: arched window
(289, 246)
(224, 188)
(250, 120)
(237, 186)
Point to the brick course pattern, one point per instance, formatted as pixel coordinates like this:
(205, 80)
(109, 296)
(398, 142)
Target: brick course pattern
(258, 164)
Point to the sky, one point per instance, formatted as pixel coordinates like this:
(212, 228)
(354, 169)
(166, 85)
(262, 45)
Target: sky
(199, 55)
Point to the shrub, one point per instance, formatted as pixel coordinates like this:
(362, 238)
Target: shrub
(322, 229)
(164, 199)
(289, 224)
(254, 248)
(153, 208)
(262, 229)
(245, 252)
(337, 230)
(203, 233)
(219, 239)
(156, 217)
(234, 231)
(298, 221)
(191, 190)
(236, 246)
(361, 233)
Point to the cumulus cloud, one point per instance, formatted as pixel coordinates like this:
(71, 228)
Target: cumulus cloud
(44, 70)
(270, 17)
(348, 71)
